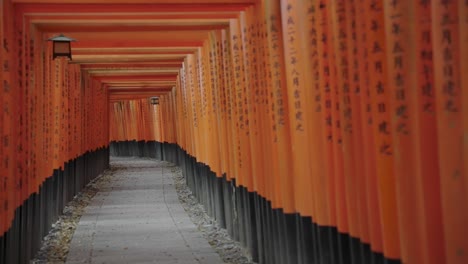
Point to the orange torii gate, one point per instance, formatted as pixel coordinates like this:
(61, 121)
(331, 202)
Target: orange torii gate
(338, 128)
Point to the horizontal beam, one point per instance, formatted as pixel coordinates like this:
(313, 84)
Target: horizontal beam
(140, 85)
(115, 35)
(136, 43)
(156, 2)
(122, 6)
(132, 97)
(129, 56)
(122, 27)
(134, 72)
(117, 60)
(140, 90)
(140, 49)
(141, 18)
(139, 78)
(129, 66)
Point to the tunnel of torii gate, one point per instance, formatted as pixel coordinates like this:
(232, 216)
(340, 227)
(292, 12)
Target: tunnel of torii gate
(320, 131)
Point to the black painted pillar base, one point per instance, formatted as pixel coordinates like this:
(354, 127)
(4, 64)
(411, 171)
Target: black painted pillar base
(34, 218)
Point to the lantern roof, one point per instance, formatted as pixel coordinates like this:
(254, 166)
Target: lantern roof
(62, 37)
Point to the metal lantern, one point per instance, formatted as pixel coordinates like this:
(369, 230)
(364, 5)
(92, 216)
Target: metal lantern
(154, 100)
(62, 46)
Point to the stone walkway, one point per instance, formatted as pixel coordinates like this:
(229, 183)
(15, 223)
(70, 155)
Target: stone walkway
(138, 219)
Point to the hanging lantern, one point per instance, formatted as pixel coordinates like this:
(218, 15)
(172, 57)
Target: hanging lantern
(62, 46)
(154, 100)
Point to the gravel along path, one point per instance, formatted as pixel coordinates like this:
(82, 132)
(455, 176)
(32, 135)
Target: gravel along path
(56, 245)
(229, 250)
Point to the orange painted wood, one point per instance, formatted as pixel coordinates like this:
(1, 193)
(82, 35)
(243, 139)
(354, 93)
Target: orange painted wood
(7, 144)
(370, 170)
(448, 92)
(158, 2)
(222, 103)
(71, 29)
(382, 165)
(320, 41)
(463, 29)
(229, 95)
(402, 77)
(299, 125)
(358, 185)
(251, 123)
(214, 103)
(244, 166)
(98, 8)
(3, 119)
(267, 107)
(264, 107)
(335, 59)
(384, 149)
(19, 123)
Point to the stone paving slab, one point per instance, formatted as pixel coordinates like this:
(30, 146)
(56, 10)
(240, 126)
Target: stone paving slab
(138, 219)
